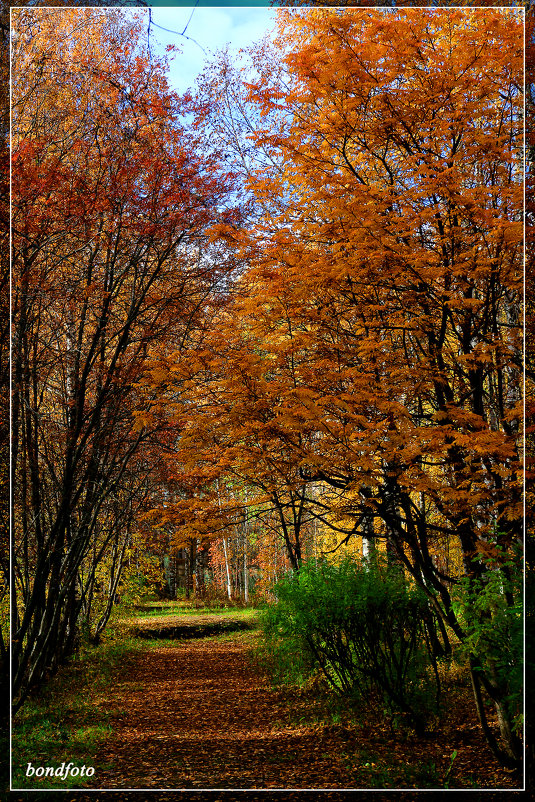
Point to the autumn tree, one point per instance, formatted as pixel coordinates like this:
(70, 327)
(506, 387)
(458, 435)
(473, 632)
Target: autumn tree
(231, 457)
(112, 202)
(529, 352)
(390, 277)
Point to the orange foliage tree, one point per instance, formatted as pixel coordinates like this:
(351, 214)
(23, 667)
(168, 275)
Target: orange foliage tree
(376, 338)
(229, 456)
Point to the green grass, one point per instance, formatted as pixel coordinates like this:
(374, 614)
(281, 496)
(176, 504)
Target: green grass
(178, 609)
(244, 636)
(70, 716)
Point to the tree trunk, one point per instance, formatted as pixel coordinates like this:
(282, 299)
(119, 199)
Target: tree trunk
(227, 571)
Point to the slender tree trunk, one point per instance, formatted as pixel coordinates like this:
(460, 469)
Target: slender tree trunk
(245, 575)
(509, 751)
(227, 571)
(245, 566)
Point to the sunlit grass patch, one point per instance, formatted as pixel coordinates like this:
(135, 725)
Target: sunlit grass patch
(180, 610)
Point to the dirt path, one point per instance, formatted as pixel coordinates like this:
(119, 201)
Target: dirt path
(200, 715)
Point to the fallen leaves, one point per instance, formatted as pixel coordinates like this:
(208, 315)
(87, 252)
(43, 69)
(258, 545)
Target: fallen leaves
(200, 715)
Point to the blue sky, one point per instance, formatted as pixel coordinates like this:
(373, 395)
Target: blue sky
(213, 28)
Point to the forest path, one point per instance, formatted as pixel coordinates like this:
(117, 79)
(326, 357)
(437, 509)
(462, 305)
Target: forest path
(199, 714)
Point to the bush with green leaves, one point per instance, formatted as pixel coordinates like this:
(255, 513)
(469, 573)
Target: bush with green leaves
(490, 610)
(365, 627)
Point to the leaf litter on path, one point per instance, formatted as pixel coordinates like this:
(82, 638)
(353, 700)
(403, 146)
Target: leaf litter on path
(198, 714)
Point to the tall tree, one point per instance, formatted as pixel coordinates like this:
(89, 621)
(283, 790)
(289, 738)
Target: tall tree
(4, 363)
(232, 453)
(112, 203)
(396, 253)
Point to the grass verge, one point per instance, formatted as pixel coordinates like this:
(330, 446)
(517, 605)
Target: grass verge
(69, 718)
(176, 611)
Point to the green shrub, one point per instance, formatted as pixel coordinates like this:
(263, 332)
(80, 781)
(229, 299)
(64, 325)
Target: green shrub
(490, 611)
(365, 627)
